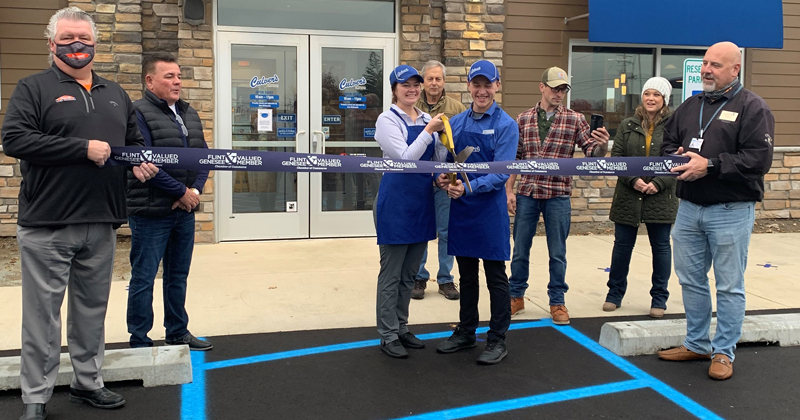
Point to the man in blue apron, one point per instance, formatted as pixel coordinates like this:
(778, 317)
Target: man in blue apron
(479, 225)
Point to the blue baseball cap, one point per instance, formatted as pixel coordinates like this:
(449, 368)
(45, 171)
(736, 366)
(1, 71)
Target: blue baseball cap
(483, 68)
(402, 73)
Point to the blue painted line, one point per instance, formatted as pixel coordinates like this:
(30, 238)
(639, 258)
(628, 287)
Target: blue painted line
(532, 401)
(193, 395)
(667, 391)
(344, 346)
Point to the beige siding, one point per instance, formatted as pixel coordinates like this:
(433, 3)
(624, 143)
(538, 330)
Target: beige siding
(775, 75)
(537, 38)
(23, 49)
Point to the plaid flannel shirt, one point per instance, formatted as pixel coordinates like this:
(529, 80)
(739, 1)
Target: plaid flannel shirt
(568, 129)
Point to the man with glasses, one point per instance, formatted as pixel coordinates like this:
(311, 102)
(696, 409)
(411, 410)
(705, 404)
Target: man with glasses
(161, 212)
(549, 130)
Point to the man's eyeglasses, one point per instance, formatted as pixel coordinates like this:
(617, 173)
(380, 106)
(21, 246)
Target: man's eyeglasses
(183, 127)
(560, 89)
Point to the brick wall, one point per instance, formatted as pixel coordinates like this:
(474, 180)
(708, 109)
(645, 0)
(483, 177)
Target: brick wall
(128, 30)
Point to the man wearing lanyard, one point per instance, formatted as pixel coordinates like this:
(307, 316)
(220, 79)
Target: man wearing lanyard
(727, 133)
(161, 213)
(479, 224)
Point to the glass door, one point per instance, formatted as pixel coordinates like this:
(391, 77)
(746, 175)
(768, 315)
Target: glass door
(348, 92)
(263, 105)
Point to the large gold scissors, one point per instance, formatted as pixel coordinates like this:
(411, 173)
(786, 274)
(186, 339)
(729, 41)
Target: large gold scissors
(447, 140)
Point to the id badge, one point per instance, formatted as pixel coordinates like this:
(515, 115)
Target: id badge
(696, 144)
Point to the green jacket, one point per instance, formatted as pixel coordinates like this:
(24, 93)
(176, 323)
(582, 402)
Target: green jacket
(631, 207)
(445, 105)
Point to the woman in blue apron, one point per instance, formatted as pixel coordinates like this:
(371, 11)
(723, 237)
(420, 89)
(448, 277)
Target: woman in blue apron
(404, 210)
(479, 225)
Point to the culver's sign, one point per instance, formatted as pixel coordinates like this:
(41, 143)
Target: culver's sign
(344, 84)
(263, 80)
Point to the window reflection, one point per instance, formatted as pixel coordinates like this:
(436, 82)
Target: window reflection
(352, 98)
(672, 69)
(608, 81)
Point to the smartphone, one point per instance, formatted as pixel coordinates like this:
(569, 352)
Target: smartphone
(596, 122)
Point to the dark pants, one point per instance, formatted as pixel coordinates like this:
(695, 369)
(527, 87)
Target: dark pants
(170, 238)
(624, 240)
(497, 282)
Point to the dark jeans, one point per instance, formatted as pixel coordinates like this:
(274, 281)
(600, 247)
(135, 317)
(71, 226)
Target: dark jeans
(624, 240)
(170, 238)
(497, 282)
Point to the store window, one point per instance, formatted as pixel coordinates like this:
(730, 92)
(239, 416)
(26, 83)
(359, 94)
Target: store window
(608, 79)
(335, 15)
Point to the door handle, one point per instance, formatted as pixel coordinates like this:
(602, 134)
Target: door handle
(314, 142)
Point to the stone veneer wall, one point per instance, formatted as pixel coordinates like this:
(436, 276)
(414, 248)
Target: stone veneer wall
(128, 29)
(457, 33)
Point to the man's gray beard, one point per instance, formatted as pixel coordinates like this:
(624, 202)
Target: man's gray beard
(711, 88)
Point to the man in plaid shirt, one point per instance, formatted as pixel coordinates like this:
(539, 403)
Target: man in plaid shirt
(547, 131)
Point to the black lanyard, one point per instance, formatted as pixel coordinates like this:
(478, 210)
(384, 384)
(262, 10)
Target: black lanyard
(703, 102)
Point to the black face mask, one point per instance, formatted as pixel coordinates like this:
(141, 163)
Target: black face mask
(76, 54)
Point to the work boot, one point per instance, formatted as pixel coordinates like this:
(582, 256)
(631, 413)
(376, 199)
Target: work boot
(610, 307)
(449, 291)
(419, 289)
(657, 312)
(560, 314)
(517, 306)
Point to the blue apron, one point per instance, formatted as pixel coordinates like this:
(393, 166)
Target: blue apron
(405, 210)
(479, 225)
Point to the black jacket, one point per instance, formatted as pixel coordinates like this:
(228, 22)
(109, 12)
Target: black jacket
(48, 125)
(739, 142)
(148, 199)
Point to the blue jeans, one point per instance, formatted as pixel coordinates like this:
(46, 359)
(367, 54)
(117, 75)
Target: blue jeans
(557, 214)
(170, 238)
(442, 203)
(720, 234)
(624, 240)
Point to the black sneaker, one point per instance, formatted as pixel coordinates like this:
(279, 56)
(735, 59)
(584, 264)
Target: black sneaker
(193, 342)
(411, 341)
(100, 398)
(449, 291)
(394, 349)
(419, 289)
(494, 352)
(461, 339)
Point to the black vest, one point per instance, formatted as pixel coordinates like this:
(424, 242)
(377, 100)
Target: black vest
(146, 199)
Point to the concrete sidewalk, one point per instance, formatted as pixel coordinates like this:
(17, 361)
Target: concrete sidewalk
(255, 287)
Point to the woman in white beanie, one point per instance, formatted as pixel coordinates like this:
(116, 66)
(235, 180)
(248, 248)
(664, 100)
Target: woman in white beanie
(648, 200)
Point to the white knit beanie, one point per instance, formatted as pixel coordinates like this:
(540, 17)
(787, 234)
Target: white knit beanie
(660, 84)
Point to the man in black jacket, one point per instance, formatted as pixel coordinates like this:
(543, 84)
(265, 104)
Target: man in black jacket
(161, 212)
(61, 124)
(726, 131)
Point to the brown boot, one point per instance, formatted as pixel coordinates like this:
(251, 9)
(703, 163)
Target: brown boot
(721, 367)
(681, 354)
(517, 306)
(418, 292)
(560, 314)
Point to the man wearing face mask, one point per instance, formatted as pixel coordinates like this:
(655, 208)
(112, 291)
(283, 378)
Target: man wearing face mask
(61, 124)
